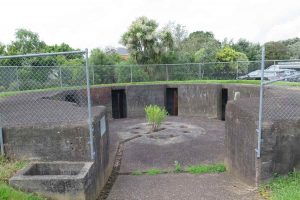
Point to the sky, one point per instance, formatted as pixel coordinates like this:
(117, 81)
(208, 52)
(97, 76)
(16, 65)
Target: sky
(100, 23)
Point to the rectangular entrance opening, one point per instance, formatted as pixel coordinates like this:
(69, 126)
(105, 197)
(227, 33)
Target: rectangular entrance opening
(119, 104)
(224, 102)
(172, 101)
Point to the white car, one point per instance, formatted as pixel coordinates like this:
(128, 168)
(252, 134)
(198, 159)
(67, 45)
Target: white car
(269, 74)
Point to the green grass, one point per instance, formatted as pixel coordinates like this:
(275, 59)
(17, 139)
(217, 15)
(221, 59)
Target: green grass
(193, 169)
(203, 169)
(282, 188)
(7, 169)
(154, 172)
(9, 193)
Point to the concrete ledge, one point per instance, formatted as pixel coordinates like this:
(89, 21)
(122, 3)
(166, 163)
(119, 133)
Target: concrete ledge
(58, 180)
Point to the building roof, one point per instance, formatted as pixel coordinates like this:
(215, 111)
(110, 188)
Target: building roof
(122, 51)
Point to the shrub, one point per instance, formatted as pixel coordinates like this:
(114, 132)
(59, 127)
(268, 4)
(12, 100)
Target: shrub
(155, 116)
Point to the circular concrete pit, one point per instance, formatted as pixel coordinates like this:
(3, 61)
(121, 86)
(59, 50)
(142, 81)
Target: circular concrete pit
(168, 133)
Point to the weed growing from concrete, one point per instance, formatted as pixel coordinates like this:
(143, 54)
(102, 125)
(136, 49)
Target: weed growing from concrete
(178, 167)
(203, 169)
(155, 116)
(153, 172)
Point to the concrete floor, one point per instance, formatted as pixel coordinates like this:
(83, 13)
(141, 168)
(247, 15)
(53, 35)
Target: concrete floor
(181, 187)
(205, 148)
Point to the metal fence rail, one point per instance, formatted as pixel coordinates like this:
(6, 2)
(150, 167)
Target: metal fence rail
(108, 74)
(48, 88)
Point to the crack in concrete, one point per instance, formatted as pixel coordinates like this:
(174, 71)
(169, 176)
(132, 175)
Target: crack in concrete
(116, 169)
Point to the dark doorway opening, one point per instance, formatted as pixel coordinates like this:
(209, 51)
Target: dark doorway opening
(172, 101)
(71, 98)
(224, 102)
(118, 104)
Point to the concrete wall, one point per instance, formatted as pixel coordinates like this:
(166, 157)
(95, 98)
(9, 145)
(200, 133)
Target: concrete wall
(140, 96)
(102, 96)
(48, 142)
(193, 99)
(241, 141)
(280, 150)
(63, 142)
(200, 100)
(245, 91)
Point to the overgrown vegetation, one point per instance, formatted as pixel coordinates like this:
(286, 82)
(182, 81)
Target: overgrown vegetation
(7, 169)
(282, 188)
(155, 116)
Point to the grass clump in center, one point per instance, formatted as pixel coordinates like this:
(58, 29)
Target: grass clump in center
(155, 116)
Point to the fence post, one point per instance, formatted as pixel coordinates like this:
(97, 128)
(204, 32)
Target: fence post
(131, 76)
(60, 79)
(93, 74)
(1, 142)
(237, 69)
(199, 71)
(167, 73)
(261, 101)
(90, 122)
(18, 82)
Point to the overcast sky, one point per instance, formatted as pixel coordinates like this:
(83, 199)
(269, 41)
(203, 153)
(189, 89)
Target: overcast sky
(100, 23)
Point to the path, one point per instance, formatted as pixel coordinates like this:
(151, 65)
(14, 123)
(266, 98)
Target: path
(139, 155)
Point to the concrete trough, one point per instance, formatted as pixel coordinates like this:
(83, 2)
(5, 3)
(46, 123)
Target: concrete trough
(57, 180)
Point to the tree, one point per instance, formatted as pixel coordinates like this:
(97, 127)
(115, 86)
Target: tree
(26, 42)
(252, 50)
(201, 45)
(178, 32)
(227, 54)
(59, 48)
(123, 73)
(276, 51)
(101, 65)
(2, 49)
(145, 44)
(294, 50)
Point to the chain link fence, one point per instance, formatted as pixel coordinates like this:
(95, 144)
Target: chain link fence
(279, 104)
(241, 70)
(45, 89)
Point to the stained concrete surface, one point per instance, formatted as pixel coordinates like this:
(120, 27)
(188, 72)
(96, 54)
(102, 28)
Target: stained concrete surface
(205, 148)
(181, 187)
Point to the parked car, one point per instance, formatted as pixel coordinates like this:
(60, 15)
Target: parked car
(271, 73)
